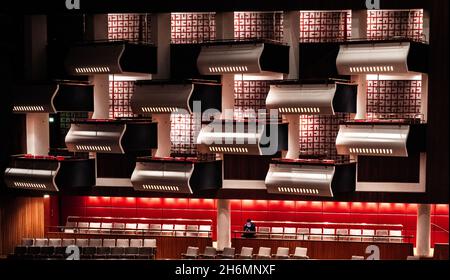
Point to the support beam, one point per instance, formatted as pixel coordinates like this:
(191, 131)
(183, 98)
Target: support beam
(423, 234)
(223, 223)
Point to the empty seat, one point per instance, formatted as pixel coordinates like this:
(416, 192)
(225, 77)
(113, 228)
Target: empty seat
(263, 253)
(276, 233)
(136, 242)
(122, 243)
(142, 228)
(395, 236)
(95, 242)
(246, 253)
(146, 253)
(302, 233)
(342, 234)
(368, 235)
(289, 233)
(262, 232)
(315, 234)
(67, 242)
(118, 228)
(381, 235)
(131, 252)
(300, 253)
(70, 227)
(55, 242)
(82, 242)
(282, 253)
(192, 230)
(88, 252)
(20, 251)
(106, 228)
(358, 258)
(117, 253)
(167, 230)
(155, 229)
(40, 242)
(209, 253)
(412, 258)
(204, 230)
(329, 234)
(83, 227)
(109, 242)
(46, 251)
(180, 230)
(94, 227)
(27, 241)
(130, 228)
(228, 253)
(150, 243)
(191, 253)
(103, 252)
(355, 235)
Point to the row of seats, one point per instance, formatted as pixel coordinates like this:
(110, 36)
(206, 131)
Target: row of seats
(94, 248)
(138, 228)
(246, 253)
(364, 235)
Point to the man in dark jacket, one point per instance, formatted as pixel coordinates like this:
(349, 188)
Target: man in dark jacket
(249, 229)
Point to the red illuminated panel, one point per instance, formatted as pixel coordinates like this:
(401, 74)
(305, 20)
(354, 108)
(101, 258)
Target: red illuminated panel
(182, 134)
(318, 135)
(382, 24)
(130, 27)
(249, 97)
(393, 99)
(120, 93)
(189, 28)
(325, 26)
(258, 25)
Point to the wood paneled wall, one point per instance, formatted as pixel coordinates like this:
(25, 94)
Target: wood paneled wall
(20, 217)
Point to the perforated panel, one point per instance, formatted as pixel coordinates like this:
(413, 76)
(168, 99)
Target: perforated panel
(325, 26)
(393, 99)
(130, 27)
(318, 135)
(120, 93)
(249, 97)
(182, 134)
(382, 24)
(189, 28)
(260, 25)
(66, 118)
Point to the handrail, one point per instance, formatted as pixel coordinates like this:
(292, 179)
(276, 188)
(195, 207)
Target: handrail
(128, 229)
(328, 223)
(137, 219)
(439, 227)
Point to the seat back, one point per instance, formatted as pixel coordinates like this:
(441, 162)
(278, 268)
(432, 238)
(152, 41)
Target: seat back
(82, 242)
(264, 252)
(329, 234)
(106, 227)
(150, 243)
(315, 234)
(27, 241)
(395, 236)
(246, 252)
(358, 258)
(83, 227)
(41, 242)
(355, 235)
(155, 228)
(123, 243)
(130, 228)
(192, 251)
(289, 233)
(167, 229)
(109, 242)
(302, 233)
(276, 232)
(192, 230)
(95, 242)
(263, 232)
(368, 235)
(142, 228)
(118, 228)
(131, 250)
(282, 252)
(180, 230)
(68, 241)
(136, 242)
(300, 252)
(210, 251)
(342, 233)
(117, 251)
(412, 258)
(229, 252)
(70, 227)
(381, 235)
(94, 227)
(204, 230)
(55, 242)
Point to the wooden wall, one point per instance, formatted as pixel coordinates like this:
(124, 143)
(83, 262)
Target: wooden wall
(20, 217)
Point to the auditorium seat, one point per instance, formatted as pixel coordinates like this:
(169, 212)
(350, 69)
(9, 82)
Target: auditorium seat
(302, 233)
(54, 242)
(262, 232)
(136, 242)
(228, 253)
(246, 253)
(70, 227)
(155, 229)
(263, 253)
(276, 233)
(131, 252)
(60, 252)
(40, 242)
(204, 230)
(300, 253)
(395, 236)
(118, 228)
(150, 243)
(191, 253)
(381, 235)
(130, 228)
(358, 258)
(122, 242)
(180, 230)
(329, 234)
(109, 242)
(368, 235)
(342, 234)
(315, 234)
(142, 228)
(192, 230)
(209, 253)
(412, 258)
(117, 253)
(94, 227)
(355, 235)
(167, 230)
(146, 253)
(83, 227)
(282, 253)
(81, 242)
(289, 233)
(106, 228)
(27, 241)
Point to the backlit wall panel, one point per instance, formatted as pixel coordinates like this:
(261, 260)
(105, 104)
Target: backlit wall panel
(260, 25)
(189, 28)
(325, 26)
(249, 97)
(120, 93)
(130, 27)
(382, 24)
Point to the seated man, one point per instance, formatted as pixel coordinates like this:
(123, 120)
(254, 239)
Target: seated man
(249, 229)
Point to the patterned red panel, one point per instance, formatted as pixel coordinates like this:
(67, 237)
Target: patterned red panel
(325, 26)
(393, 99)
(120, 93)
(260, 25)
(382, 24)
(182, 134)
(318, 135)
(249, 97)
(189, 28)
(130, 27)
